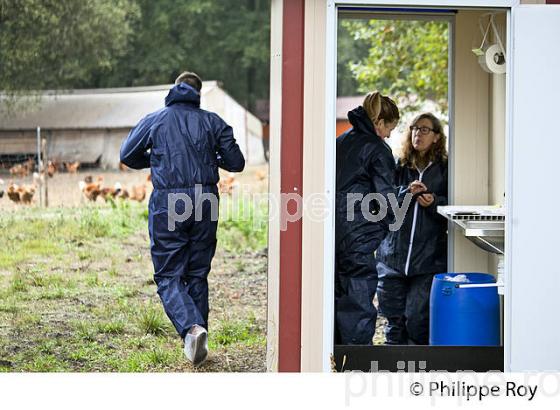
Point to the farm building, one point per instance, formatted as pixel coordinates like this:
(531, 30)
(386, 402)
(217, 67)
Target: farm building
(89, 125)
(496, 161)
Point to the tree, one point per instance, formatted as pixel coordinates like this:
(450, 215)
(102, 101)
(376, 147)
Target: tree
(60, 43)
(115, 43)
(407, 60)
(220, 40)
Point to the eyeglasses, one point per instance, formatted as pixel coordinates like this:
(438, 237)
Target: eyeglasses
(423, 130)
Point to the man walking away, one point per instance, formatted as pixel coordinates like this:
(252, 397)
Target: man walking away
(184, 146)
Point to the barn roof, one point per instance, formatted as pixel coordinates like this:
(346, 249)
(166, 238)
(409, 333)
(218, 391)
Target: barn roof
(93, 108)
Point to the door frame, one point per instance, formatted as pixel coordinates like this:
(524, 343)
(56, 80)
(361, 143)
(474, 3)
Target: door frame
(332, 13)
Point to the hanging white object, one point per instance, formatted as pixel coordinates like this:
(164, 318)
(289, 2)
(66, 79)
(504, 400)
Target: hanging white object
(491, 57)
(493, 61)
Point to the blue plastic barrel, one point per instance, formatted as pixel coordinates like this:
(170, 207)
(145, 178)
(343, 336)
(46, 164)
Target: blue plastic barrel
(464, 316)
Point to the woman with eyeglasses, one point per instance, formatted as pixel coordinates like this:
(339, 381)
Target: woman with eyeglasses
(409, 257)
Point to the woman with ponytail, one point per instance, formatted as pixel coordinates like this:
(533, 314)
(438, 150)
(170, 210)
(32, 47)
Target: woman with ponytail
(364, 165)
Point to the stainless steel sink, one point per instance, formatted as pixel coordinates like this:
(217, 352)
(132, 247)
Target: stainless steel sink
(482, 225)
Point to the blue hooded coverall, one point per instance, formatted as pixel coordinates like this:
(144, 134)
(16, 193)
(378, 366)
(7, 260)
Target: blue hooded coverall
(184, 146)
(364, 165)
(409, 258)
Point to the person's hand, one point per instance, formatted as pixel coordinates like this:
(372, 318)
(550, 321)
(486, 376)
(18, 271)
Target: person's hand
(417, 186)
(425, 200)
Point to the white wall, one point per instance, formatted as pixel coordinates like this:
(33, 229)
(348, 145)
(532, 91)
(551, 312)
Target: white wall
(470, 145)
(247, 128)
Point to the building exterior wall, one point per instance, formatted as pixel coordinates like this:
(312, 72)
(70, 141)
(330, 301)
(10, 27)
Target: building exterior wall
(342, 126)
(273, 288)
(85, 146)
(313, 322)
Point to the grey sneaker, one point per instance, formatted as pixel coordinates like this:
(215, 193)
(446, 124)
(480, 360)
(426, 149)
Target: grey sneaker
(196, 345)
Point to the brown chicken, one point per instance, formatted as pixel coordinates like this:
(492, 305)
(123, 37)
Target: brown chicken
(111, 192)
(261, 175)
(72, 167)
(138, 192)
(21, 194)
(122, 193)
(52, 168)
(226, 185)
(91, 190)
(23, 169)
(26, 193)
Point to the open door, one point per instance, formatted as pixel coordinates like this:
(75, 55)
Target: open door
(532, 267)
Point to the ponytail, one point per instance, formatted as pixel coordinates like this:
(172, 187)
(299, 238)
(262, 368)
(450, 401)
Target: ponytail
(379, 107)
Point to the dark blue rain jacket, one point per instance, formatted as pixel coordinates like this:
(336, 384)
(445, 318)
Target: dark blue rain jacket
(420, 245)
(364, 165)
(183, 144)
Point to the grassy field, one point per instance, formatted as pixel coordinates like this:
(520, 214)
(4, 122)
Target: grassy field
(77, 294)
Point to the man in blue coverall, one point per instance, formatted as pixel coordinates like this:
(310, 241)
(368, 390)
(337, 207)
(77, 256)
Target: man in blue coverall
(184, 146)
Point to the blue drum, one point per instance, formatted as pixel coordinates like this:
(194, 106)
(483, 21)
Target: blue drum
(464, 316)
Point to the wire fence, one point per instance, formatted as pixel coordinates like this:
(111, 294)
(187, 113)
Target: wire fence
(35, 179)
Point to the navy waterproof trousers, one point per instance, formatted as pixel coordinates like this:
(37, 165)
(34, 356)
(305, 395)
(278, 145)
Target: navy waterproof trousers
(405, 302)
(182, 257)
(356, 283)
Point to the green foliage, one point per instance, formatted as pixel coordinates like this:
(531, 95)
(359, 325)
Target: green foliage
(58, 44)
(220, 40)
(406, 59)
(61, 43)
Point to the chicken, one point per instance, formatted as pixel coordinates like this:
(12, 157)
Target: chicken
(122, 192)
(261, 175)
(111, 192)
(21, 193)
(18, 171)
(91, 190)
(26, 193)
(23, 169)
(38, 179)
(138, 192)
(72, 167)
(52, 168)
(226, 185)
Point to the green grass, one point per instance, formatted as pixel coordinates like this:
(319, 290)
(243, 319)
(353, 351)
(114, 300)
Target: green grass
(242, 226)
(113, 327)
(85, 330)
(29, 234)
(152, 320)
(230, 332)
(77, 293)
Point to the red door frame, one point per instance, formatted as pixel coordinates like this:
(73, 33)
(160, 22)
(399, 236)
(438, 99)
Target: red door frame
(291, 181)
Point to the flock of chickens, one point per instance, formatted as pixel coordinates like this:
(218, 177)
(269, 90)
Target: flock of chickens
(94, 189)
(90, 188)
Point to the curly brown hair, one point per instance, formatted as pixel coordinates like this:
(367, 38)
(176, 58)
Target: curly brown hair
(438, 152)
